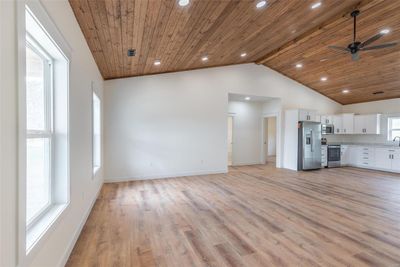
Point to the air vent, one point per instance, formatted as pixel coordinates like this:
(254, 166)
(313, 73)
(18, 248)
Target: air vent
(131, 52)
(378, 93)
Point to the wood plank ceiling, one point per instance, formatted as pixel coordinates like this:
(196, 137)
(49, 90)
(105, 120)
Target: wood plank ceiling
(376, 71)
(279, 35)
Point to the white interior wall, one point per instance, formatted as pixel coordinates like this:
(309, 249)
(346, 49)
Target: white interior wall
(8, 134)
(246, 132)
(83, 70)
(175, 124)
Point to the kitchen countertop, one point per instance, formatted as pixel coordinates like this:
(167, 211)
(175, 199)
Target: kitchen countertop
(365, 144)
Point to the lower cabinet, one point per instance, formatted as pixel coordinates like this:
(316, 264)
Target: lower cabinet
(370, 157)
(345, 152)
(383, 158)
(396, 161)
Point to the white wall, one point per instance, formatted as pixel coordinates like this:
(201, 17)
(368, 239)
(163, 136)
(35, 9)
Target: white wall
(8, 135)
(175, 124)
(246, 132)
(53, 251)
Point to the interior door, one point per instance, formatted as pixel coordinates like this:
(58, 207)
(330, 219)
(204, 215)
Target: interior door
(230, 140)
(265, 138)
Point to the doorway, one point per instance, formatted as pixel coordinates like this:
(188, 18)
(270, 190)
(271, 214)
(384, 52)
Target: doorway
(230, 140)
(269, 140)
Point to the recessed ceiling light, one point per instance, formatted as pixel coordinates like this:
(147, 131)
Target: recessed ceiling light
(183, 2)
(243, 54)
(324, 79)
(345, 91)
(205, 58)
(261, 4)
(247, 98)
(316, 5)
(385, 31)
(299, 65)
(157, 62)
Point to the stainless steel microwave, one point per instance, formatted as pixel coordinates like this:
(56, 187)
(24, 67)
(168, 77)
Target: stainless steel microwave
(327, 129)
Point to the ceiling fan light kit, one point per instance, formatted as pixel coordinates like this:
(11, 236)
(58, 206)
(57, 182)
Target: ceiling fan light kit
(356, 47)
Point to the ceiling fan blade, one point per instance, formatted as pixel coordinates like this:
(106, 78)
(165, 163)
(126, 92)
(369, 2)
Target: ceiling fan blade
(355, 56)
(345, 49)
(371, 40)
(378, 46)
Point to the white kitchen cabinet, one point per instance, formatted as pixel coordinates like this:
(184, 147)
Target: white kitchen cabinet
(352, 152)
(371, 157)
(344, 155)
(367, 124)
(347, 123)
(396, 161)
(383, 158)
(387, 159)
(326, 119)
(337, 123)
(365, 157)
(307, 115)
(324, 156)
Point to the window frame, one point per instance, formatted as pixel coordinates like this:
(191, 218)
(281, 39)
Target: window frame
(48, 131)
(95, 167)
(390, 128)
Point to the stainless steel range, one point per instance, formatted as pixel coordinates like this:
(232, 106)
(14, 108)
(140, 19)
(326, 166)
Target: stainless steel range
(334, 156)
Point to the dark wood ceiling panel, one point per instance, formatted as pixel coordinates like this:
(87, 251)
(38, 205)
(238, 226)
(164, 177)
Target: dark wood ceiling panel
(377, 70)
(180, 36)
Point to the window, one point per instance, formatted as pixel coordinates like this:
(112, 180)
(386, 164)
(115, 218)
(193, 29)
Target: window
(39, 114)
(96, 133)
(393, 127)
(44, 135)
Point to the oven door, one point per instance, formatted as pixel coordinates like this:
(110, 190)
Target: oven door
(334, 156)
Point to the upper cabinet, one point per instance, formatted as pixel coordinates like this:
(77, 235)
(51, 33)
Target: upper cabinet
(347, 123)
(307, 115)
(337, 123)
(367, 124)
(326, 119)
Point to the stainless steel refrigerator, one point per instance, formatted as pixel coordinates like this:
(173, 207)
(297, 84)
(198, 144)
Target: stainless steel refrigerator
(309, 150)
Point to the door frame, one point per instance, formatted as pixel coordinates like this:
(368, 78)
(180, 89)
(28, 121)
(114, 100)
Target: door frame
(233, 139)
(276, 115)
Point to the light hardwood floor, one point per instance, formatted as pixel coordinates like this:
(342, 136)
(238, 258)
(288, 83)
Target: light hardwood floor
(252, 216)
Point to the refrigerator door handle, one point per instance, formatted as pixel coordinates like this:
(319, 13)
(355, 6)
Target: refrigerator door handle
(312, 141)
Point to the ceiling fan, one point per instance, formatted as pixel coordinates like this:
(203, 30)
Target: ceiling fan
(355, 47)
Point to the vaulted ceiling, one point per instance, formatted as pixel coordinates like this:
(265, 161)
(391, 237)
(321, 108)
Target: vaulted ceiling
(278, 35)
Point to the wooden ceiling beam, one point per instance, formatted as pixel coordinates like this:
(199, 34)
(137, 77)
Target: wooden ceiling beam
(331, 22)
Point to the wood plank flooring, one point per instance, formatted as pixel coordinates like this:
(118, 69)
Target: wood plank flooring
(252, 216)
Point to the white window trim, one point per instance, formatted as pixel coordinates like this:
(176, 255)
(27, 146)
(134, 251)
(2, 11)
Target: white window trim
(56, 214)
(390, 129)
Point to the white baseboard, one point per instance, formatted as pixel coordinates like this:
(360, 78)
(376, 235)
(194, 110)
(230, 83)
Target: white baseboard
(78, 231)
(247, 163)
(162, 176)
